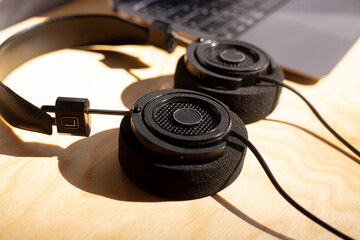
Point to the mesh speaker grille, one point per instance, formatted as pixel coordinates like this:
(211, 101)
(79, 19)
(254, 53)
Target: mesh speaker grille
(213, 55)
(164, 118)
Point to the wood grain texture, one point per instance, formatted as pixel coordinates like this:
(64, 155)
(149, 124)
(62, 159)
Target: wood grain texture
(62, 187)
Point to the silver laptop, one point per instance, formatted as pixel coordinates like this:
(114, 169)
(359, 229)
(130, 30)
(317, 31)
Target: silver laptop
(306, 37)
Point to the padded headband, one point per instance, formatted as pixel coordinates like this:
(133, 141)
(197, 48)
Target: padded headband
(59, 33)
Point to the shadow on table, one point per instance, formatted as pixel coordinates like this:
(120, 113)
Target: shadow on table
(120, 60)
(246, 218)
(91, 164)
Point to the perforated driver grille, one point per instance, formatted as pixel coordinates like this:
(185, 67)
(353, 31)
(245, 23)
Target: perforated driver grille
(164, 118)
(213, 55)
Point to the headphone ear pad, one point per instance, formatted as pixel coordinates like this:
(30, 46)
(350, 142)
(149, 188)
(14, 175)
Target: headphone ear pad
(180, 180)
(250, 103)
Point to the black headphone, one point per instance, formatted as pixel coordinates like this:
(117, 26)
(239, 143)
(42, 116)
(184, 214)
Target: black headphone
(231, 71)
(175, 143)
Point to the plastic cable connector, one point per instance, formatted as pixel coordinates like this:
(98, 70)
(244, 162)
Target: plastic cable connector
(72, 116)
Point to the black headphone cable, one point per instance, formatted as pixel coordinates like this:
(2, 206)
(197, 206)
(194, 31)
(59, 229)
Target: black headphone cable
(282, 191)
(317, 114)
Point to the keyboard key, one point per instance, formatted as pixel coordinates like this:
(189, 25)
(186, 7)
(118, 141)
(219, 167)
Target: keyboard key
(214, 26)
(256, 14)
(237, 29)
(178, 16)
(227, 35)
(245, 20)
(247, 4)
(197, 20)
(232, 17)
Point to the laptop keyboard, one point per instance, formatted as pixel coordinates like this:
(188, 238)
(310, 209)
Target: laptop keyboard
(219, 18)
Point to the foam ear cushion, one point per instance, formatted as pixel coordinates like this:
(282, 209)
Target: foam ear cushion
(250, 103)
(170, 179)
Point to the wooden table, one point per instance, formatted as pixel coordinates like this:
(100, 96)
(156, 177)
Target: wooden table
(62, 187)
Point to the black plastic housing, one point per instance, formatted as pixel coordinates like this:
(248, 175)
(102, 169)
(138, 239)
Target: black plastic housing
(72, 117)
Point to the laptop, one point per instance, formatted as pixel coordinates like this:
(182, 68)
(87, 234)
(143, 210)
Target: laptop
(306, 37)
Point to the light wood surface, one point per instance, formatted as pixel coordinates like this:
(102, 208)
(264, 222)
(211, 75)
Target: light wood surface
(62, 187)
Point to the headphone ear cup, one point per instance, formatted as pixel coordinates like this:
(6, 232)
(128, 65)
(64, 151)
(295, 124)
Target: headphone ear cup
(250, 103)
(180, 180)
